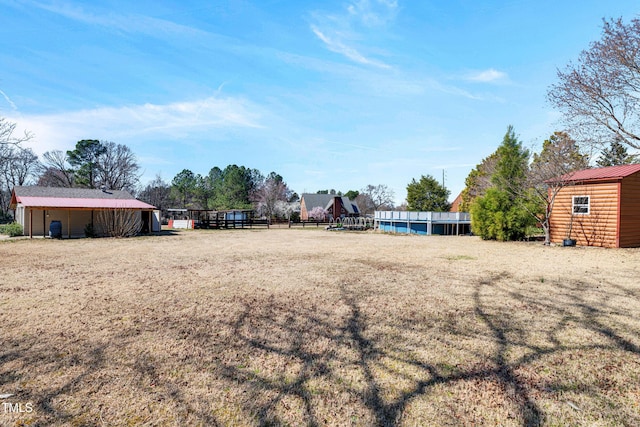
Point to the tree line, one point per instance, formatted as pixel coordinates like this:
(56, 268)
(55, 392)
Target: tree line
(234, 187)
(105, 164)
(108, 165)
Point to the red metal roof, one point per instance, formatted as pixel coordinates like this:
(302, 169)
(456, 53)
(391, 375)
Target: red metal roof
(81, 203)
(602, 174)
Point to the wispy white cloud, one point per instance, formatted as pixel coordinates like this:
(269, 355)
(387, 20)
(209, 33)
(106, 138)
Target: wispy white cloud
(9, 101)
(124, 23)
(177, 120)
(346, 33)
(488, 76)
(392, 82)
(337, 45)
(373, 13)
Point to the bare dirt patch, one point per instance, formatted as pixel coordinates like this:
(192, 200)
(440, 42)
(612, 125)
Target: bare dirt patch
(299, 327)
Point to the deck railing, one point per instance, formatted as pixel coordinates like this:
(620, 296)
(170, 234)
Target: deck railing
(422, 216)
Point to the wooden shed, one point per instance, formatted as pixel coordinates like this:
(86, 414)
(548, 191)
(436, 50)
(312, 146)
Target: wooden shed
(599, 207)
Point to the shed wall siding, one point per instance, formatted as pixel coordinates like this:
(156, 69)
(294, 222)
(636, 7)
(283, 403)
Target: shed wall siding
(599, 227)
(33, 217)
(630, 212)
(78, 221)
(41, 228)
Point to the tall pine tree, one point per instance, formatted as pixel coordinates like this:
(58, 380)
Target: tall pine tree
(499, 214)
(511, 167)
(616, 155)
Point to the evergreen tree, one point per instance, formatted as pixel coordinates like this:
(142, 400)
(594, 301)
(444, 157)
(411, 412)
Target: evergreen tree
(500, 213)
(84, 161)
(511, 166)
(237, 187)
(615, 155)
(495, 217)
(184, 184)
(427, 195)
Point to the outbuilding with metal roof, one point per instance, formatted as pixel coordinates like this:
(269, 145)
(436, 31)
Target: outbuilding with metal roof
(76, 209)
(598, 207)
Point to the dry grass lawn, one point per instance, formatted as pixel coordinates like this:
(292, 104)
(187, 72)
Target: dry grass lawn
(308, 327)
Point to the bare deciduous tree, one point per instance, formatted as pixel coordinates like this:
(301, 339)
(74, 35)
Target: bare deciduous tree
(549, 172)
(7, 130)
(16, 163)
(119, 222)
(600, 95)
(375, 197)
(478, 181)
(56, 172)
(267, 196)
(105, 163)
(117, 167)
(157, 193)
(18, 167)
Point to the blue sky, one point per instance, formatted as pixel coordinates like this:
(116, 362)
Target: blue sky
(329, 94)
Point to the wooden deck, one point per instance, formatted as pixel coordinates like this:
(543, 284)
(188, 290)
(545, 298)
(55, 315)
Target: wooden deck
(425, 223)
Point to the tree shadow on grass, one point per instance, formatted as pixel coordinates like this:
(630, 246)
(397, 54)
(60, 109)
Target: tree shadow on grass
(352, 345)
(86, 371)
(390, 412)
(290, 360)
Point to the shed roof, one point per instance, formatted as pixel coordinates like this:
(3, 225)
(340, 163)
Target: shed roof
(601, 174)
(75, 198)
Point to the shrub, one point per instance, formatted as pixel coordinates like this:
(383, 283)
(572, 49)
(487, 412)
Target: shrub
(119, 222)
(495, 216)
(14, 229)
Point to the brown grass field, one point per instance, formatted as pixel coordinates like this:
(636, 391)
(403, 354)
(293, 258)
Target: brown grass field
(309, 327)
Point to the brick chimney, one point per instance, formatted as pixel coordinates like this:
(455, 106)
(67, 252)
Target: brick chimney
(337, 207)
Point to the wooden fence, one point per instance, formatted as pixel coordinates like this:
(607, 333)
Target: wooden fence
(215, 223)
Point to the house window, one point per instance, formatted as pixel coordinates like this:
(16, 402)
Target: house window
(581, 205)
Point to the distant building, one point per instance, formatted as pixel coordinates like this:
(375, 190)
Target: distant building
(335, 206)
(455, 205)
